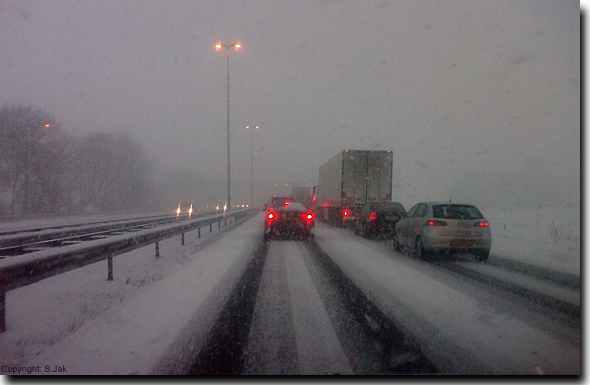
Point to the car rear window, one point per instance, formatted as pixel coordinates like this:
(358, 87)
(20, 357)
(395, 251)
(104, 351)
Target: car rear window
(280, 201)
(390, 206)
(456, 211)
(294, 206)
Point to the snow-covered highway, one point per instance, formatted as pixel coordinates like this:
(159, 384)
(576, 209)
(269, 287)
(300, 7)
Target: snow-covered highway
(341, 304)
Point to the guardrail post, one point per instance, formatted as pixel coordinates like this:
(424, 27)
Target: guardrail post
(199, 232)
(225, 221)
(219, 224)
(157, 249)
(211, 227)
(110, 268)
(182, 240)
(2, 310)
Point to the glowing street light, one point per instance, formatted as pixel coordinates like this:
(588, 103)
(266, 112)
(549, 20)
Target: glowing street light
(252, 165)
(219, 46)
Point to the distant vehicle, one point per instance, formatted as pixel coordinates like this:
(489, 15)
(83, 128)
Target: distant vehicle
(349, 180)
(276, 201)
(184, 208)
(434, 227)
(290, 219)
(302, 194)
(378, 219)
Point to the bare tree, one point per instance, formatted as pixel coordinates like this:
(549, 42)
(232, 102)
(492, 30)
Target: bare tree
(111, 173)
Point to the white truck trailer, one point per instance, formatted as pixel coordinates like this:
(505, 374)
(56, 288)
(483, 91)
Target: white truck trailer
(349, 180)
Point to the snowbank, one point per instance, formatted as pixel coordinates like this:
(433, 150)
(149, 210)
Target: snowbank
(93, 326)
(547, 238)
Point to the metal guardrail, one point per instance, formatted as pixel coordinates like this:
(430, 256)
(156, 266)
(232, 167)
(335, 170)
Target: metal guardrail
(16, 272)
(22, 238)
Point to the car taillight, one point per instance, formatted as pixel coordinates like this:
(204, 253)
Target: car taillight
(287, 203)
(481, 224)
(272, 216)
(432, 222)
(308, 216)
(373, 216)
(346, 213)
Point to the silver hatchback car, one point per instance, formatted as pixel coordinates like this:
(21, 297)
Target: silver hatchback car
(433, 227)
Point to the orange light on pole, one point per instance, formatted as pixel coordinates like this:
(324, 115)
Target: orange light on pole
(252, 165)
(218, 46)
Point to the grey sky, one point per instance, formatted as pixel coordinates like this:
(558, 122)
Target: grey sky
(480, 95)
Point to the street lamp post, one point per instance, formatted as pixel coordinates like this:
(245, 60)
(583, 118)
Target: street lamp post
(28, 167)
(252, 165)
(219, 46)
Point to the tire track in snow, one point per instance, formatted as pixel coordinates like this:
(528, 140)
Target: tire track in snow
(222, 354)
(318, 345)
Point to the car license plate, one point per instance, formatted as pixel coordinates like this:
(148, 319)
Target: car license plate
(392, 218)
(461, 242)
(291, 219)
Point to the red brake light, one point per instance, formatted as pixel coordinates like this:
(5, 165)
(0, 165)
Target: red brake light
(287, 203)
(373, 216)
(272, 216)
(308, 216)
(345, 213)
(432, 222)
(481, 224)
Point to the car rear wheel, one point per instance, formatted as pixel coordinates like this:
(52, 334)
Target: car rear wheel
(483, 255)
(396, 245)
(362, 231)
(419, 249)
(356, 229)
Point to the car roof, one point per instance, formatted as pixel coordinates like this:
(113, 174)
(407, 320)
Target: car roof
(386, 203)
(278, 199)
(431, 203)
(294, 206)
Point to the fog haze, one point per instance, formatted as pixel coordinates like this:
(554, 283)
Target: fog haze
(480, 96)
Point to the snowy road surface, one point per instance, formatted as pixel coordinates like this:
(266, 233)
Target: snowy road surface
(343, 305)
(289, 303)
(455, 322)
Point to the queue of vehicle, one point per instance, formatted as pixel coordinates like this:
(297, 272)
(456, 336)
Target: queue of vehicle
(354, 191)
